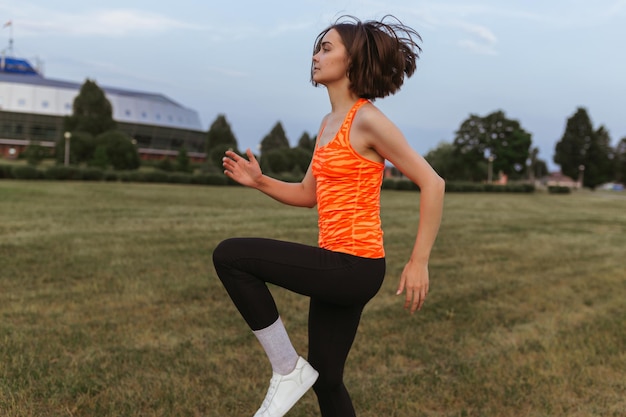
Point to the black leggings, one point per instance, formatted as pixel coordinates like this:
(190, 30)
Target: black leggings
(339, 285)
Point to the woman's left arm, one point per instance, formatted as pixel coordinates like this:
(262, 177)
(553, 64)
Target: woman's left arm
(389, 142)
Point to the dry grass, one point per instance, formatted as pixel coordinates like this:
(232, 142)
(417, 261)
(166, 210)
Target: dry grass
(110, 305)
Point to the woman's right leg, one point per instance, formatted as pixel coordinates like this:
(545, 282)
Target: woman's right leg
(245, 265)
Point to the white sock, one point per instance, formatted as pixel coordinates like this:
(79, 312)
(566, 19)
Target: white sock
(277, 345)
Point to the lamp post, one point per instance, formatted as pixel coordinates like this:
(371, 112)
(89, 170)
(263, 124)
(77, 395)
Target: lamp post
(581, 175)
(67, 136)
(490, 170)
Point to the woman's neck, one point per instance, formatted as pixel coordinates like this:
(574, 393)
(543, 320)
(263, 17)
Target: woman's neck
(341, 99)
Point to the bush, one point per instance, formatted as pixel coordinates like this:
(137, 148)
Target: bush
(178, 178)
(6, 171)
(153, 176)
(92, 174)
(286, 176)
(121, 153)
(183, 163)
(35, 153)
(128, 176)
(475, 187)
(26, 172)
(61, 172)
(399, 184)
(165, 165)
(211, 179)
(559, 189)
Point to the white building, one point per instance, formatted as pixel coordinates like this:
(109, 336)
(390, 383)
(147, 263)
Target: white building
(32, 108)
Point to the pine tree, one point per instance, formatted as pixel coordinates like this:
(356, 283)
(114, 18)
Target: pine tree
(275, 140)
(182, 161)
(582, 148)
(220, 134)
(92, 112)
(306, 142)
(620, 161)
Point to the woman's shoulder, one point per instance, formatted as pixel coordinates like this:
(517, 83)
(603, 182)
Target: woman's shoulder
(370, 117)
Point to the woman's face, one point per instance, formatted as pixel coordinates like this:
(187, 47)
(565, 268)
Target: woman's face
(330, 63)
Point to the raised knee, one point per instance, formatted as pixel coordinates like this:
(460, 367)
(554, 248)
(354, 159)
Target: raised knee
(223, 252)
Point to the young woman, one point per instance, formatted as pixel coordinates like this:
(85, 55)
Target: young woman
(357, 62)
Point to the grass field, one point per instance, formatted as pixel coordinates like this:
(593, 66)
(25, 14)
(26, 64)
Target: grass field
(110, 305)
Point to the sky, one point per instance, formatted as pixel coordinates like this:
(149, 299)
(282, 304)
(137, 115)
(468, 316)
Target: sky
(538, 61)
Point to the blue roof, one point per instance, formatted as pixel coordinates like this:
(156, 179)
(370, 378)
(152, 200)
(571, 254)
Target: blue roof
(16, 66)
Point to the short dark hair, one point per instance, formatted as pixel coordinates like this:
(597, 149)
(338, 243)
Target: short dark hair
(381, 54)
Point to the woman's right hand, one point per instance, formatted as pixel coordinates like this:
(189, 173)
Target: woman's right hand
(245, 171)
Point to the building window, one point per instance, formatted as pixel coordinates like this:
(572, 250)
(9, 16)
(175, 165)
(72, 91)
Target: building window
(21, 102)
(45, 104)
(144, 115)
(127, 113)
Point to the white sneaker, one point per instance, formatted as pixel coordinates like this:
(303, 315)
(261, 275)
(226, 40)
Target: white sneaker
(286, 390)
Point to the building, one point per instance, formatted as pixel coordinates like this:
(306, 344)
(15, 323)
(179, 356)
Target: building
(32, 109)
(558, 179)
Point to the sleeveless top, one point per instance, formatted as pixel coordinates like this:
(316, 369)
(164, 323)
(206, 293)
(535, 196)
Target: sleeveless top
(348, 195)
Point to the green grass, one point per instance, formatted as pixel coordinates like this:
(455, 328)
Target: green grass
(110, 305)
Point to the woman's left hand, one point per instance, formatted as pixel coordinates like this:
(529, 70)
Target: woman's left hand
(414, 280)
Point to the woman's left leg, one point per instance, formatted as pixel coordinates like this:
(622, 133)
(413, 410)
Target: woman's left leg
(332, 329)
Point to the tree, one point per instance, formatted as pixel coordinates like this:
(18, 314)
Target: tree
(182, 161)
(165, 165)
(537, 168)
(91, 112)
(581, 146)
(442, 159)
(301, 159)
(35, 153)
(620, 161)
(306, 142)
(100, 158)
(82, 147)
(274, 140)
(121, 152)
(599, 167)
(220, 135)
(277, 161)
(493, 135)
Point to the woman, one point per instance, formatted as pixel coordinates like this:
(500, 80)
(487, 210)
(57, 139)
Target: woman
(356, 62)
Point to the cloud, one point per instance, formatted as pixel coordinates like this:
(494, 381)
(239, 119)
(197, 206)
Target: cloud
(36, 21)
(476, 47)
(483, 41)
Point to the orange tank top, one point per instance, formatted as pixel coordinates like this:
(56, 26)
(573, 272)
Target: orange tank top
(348, 195)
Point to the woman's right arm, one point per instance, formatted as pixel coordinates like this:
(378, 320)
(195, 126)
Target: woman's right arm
(248, 172)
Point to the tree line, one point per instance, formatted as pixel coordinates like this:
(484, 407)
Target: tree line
(482, 145)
